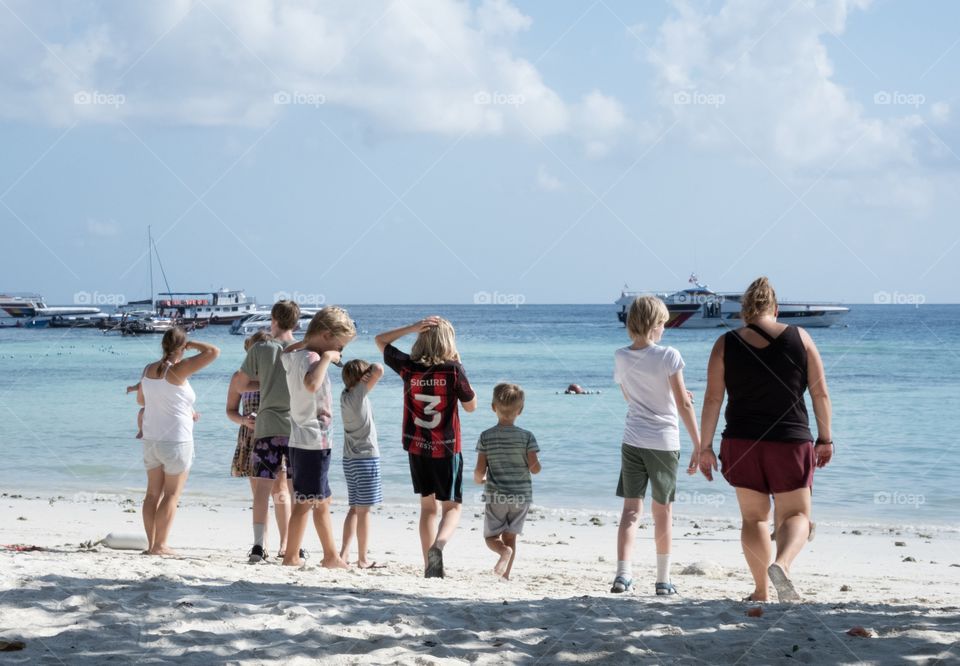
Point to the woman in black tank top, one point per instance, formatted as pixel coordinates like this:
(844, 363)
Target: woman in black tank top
(765, 368)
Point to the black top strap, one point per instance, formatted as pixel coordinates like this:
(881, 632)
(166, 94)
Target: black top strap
(762, 333)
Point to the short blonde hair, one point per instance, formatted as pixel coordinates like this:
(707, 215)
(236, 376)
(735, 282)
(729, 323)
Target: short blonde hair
(259, 336)
(508, 397)
(759, 299)
(435, 345)
(646, 313)
(334, 320)
(353, 372)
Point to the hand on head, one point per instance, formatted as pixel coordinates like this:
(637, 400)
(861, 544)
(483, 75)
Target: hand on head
(429, 322)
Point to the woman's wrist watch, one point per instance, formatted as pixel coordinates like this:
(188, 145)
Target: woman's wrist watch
(821, 440)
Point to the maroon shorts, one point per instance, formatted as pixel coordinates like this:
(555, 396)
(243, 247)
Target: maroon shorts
(767, 467)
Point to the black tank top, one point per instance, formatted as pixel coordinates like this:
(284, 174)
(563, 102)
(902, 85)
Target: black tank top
(765, 387)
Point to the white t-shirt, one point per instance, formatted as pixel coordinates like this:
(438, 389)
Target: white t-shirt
(310, 413)
(644, 374)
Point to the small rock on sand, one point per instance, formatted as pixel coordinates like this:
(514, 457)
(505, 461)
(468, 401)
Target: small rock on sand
(703, 568)
(900, 544)
(844, 588)
(909, 559)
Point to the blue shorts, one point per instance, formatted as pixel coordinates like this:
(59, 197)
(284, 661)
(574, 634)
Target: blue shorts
(363, 481)
(310, 471)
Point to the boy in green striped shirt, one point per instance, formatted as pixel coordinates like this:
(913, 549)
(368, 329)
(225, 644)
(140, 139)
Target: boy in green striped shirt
(507, 456)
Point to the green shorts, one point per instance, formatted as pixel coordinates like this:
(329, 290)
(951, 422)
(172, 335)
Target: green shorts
(640, 466)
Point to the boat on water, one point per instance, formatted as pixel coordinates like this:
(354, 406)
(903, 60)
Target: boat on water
(219, 307)
(698, 306)
(31, 311)
(260, 321)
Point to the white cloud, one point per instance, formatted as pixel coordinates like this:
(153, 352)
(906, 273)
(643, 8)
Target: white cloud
(546, 181)
(412, 66)
(102, 229)
(601, 120)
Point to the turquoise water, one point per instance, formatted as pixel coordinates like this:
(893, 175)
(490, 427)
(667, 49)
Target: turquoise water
(66, 425)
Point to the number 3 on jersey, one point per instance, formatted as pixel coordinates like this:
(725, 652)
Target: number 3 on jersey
(429, 409)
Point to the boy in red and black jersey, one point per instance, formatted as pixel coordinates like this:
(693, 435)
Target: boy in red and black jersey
(434, 382)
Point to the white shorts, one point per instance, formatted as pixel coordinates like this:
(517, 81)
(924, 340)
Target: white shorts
(173, 457)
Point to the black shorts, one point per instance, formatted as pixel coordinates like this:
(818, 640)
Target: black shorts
(442, 477)
(311, 469)
(270, 456)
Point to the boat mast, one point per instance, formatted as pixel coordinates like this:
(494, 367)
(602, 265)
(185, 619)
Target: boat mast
(150, 260)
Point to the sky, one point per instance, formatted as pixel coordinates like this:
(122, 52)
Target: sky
(439, 151)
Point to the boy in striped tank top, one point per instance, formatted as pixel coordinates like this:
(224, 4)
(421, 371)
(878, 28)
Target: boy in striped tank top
(506, 457)
(361, 456)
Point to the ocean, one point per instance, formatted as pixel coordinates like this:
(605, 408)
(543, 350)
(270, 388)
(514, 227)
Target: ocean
(67, 427)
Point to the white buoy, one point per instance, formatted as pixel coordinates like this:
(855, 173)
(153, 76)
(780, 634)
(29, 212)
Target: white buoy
(125, 541)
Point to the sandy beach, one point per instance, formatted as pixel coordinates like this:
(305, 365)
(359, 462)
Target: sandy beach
(69, 603)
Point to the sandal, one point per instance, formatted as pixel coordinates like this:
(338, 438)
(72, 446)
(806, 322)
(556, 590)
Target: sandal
(665, 589)
(621, 584)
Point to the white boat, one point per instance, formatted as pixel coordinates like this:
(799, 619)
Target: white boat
(700, 307)
(260, 321)
(219, 307)
(31, 310)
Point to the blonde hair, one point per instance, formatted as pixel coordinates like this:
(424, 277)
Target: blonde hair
(436, 345)
(508, 397)
(286, 314)
(174, 339)
(333, 320)
(759, 299)
(353, 372)
(259, 336)
(646, 313)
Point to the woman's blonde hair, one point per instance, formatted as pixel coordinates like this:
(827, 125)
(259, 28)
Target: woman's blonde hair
(436, 345)
(759, 299)
(174, 339)
(646, 313)
(334, 320)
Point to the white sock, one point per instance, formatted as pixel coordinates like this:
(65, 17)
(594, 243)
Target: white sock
(663, 568)
(258, 530)
(624, 569)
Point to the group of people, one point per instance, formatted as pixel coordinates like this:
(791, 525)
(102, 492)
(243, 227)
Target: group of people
(281, 397)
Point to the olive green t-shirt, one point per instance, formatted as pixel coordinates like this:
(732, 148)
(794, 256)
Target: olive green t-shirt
(263, 364)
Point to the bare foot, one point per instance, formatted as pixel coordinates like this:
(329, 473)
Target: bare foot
(369, 564)
(292, 562)
(163, 550)
(501, 566)
(334, 563)
(140, 435)
(756, 595)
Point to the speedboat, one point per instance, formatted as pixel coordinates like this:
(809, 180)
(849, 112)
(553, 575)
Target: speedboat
(261, 322)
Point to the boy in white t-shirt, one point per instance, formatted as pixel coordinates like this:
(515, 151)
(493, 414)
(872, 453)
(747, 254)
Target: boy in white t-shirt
(651, 378)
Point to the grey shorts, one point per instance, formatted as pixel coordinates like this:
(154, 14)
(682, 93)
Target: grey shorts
(642, 467)
(500, 518)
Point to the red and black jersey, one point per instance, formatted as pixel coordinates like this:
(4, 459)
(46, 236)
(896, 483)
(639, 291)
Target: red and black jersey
(431, 420)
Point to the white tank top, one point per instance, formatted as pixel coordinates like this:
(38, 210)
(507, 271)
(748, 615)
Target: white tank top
(168, 409)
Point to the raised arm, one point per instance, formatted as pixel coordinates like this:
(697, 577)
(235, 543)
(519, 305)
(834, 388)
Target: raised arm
(685, 408)
(206, 354)
(820, 396)
(710, 415)
(389, 337)
(373, 375)
(313, 379)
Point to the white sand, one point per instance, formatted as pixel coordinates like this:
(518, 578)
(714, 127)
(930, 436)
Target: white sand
(70, 605)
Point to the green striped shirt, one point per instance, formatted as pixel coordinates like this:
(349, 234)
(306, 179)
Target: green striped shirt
(508, 476)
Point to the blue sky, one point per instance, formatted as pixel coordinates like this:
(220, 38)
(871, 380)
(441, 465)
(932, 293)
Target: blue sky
(422, 152)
